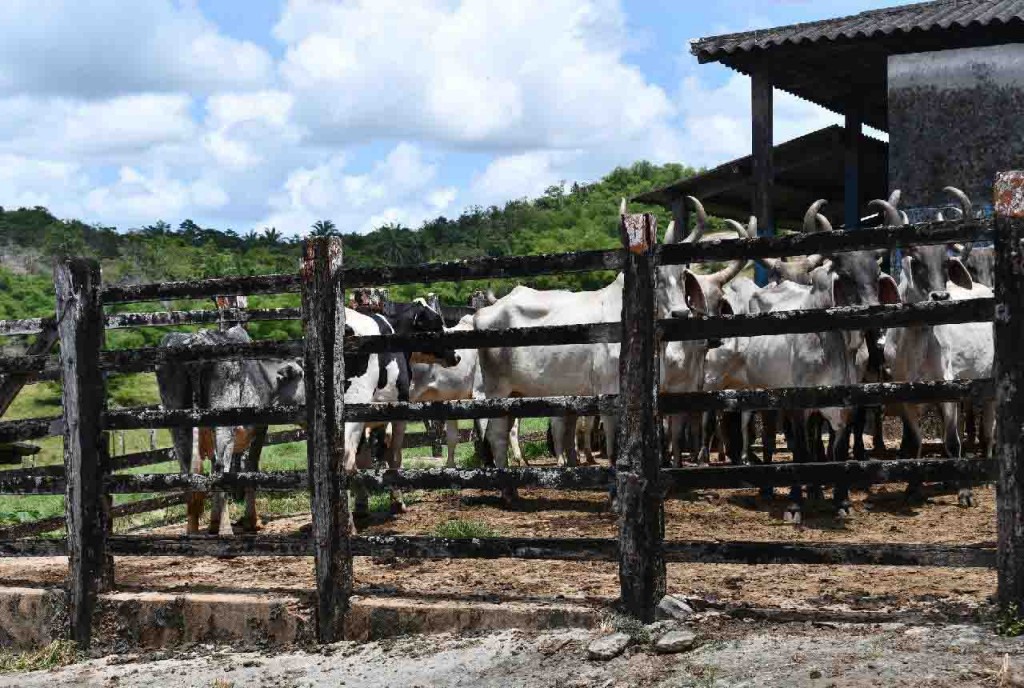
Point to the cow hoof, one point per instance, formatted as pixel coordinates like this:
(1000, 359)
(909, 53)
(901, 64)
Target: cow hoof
(703, 457)
(398, 508)
(965, 498)
(792, 515)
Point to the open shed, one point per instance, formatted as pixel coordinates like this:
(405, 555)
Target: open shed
(944, 79)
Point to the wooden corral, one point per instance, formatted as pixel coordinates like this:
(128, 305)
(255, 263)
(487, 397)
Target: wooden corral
(641, 485)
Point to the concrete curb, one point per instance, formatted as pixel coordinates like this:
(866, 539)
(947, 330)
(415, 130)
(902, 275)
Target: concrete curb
(33, 617)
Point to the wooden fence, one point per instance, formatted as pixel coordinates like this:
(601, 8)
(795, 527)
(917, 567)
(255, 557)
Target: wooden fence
(640, 549)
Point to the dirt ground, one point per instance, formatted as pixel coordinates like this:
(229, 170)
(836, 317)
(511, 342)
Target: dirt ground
(880, 517)
(729, 653)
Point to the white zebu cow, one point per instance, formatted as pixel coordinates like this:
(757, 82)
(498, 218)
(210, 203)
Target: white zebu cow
(830, 358)
(438, 383)
(587, 369)
(963, 351)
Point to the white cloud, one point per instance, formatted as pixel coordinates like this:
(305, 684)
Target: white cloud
(28, 182)
(519, 76)
(400, 188)
(142, 197)
(104, 48)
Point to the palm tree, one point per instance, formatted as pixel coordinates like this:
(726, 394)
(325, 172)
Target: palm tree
(271, 235)
(323, 228)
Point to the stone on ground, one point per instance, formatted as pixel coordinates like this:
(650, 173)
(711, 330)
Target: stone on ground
(672, 607)
(608, 647)
(676, 641)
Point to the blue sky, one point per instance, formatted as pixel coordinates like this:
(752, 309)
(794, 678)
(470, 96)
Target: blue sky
(253, 113)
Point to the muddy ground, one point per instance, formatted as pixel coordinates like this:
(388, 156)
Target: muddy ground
(730, 653)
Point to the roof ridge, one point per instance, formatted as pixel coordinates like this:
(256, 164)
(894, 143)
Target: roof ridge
(917, 7)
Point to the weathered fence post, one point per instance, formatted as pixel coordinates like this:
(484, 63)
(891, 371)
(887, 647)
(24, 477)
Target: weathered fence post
(80, 328)
(323, 319)
(1009, 379)
(638, 463)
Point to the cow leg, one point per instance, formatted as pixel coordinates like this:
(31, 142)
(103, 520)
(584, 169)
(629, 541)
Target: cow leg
(747, 438)
(220, 513)
(190, 460)
(769, 427)
(859, 422)
(796, 438)
(954, 450)
(588, 423)
(610, 424)
(708, 428)
(565, 442)
(395, 464)
(732, 437)
(986, 429)
(878, 438)
(910, 447)
(251, 464)
(497, 439)
(513, 443)
(451, 432)
(815, 452)
(970, 425)
(839, 449)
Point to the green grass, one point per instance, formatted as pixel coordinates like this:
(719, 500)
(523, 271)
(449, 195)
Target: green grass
(57, 654)
(464, 528)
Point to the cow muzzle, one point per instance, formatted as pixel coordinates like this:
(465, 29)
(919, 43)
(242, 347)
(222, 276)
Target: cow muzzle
(940, 296)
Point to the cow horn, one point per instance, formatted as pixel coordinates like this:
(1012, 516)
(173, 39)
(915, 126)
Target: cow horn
(670, 233)
(734, 267)
(892, 216)
(904, 218)
(770, 263)
(752, 227)
(491, 298)
(826, 226)
(702, 221)
(939, 217)
(622, 207)
(810, 217)
(967, 208)
(894, 198)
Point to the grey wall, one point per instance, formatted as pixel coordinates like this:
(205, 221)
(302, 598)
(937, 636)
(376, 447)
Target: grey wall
(956, 117)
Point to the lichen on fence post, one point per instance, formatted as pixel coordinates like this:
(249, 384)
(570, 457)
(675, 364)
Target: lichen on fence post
(638, 445)
(323, 308)
(86, 458)
(1009, 380)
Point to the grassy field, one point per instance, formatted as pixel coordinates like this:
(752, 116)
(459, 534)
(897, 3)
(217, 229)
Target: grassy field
(42, 400)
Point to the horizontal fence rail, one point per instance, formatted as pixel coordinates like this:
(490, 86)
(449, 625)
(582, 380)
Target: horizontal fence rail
(845, 318)
(588, 478)
(872, 394)
(202, 288)
(200, 317)
(827, 242)
(562, 549)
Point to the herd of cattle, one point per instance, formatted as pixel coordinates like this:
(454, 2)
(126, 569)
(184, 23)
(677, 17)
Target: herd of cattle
(828, 358)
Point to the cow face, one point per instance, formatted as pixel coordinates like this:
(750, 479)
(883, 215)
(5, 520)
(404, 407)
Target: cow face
(291, 386)
(928, 269)
(857, 279)
(419, 318)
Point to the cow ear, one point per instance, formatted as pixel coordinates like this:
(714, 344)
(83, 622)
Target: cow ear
(888, 293)
(288, 372)
(840, 292)
(695, 298)
(349, 332)
(724, 307)
(959, 275)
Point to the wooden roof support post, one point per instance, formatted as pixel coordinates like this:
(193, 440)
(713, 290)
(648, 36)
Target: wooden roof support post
(80, 327)
(851, 173)
(323, 310)
(762, 133)
(638, 442)
(1009, 380)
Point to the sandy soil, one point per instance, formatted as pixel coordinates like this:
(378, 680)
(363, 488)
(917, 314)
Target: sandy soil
(734, 514)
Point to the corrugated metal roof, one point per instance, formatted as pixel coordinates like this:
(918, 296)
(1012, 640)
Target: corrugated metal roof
(924, 16)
